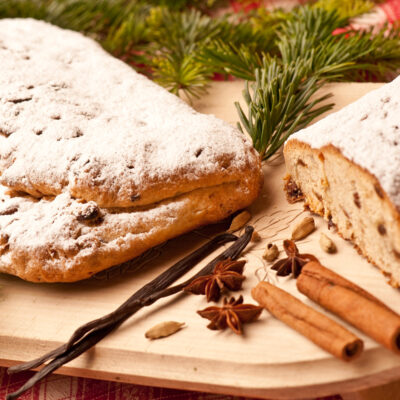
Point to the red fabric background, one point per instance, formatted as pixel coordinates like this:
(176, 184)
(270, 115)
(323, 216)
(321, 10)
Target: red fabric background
(57, 387)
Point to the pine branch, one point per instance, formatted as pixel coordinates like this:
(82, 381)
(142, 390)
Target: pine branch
(279, 103)
(308, 36)
(227, 59)
(317, 23)
(181, 74)
(178, 38)
(346, 9)
(242, 45)
(380, 60)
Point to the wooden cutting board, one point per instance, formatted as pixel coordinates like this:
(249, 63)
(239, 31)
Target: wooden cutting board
(270, 360)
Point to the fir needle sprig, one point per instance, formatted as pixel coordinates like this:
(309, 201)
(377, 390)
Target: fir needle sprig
(228, 59)
(279, 103)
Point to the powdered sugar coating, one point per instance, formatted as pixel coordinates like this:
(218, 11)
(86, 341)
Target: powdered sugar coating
(367, 132)
(73, 118)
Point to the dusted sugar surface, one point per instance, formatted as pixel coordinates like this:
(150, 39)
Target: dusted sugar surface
(73, 118)
(367, 132)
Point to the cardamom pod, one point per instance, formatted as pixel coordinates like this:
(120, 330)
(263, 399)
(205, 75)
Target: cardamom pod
(239, 221)
(327, 244)
(271, 252)
(164, 329)
(303, 229)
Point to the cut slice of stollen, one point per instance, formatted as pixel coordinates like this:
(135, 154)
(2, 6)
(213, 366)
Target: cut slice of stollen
(347, 167)
(75, 119)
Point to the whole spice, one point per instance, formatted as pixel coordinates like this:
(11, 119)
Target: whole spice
(92, 332)
(256, 237)
(327, 244)
(271, 252)
(164, 329)
(232, 314)
(227, 275)
(320, 329)
(351, 303)
(303, 229)
(239, 221)
(294, 261)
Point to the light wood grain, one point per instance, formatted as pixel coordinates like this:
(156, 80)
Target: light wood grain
(270, 360)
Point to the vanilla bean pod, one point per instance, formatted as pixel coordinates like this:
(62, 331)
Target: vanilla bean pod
(130, 307)
(106, 325)
(160, 282)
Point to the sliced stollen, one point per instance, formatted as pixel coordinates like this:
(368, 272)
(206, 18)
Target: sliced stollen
(347, 168)
(75, 119)
(60, 239)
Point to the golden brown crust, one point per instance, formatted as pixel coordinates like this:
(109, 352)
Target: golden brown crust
(75, 248)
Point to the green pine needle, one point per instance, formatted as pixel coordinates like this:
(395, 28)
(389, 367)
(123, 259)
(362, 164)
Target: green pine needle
(279, 103)
(226, 58)
(178, 38)
(182, 75)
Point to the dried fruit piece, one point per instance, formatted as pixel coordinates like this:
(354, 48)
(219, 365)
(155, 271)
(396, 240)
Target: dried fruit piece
(164, 329)
(382, 229)
(89, 212)
(327, 244)
(293, 192)
(239, 221)
(271, 252)
(9, 210)
(303, 229)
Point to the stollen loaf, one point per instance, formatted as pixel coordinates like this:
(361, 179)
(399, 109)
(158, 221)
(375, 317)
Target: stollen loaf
(98, 163)
(73, 118)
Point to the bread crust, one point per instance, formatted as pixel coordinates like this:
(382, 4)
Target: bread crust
(61, 239)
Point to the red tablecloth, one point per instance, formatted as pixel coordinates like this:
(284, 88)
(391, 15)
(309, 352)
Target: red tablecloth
(58, 387)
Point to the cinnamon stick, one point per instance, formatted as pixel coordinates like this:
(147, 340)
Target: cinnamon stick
(317, 327)
(351, 303)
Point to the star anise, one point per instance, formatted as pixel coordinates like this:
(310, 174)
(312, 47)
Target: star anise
(294, 262)
(227, 274)
(232, 314)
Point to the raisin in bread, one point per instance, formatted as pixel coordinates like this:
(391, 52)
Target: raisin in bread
(347, 169)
